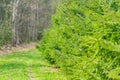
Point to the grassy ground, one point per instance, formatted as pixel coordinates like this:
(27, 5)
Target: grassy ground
(28, 65)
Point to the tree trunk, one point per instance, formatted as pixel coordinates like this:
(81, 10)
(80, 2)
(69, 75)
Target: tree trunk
(15, 6)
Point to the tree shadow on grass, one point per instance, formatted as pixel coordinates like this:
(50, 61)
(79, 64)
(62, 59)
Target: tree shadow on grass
(12, 65)
(28, 56)
(18, 65)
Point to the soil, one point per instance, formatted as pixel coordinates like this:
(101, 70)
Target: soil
(7, 49)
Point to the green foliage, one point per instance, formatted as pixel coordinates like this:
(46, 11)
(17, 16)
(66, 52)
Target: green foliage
(84, 39)
(114, 6)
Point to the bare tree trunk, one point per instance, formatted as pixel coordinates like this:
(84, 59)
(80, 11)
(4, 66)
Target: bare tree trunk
(37, 18)
(15, 5)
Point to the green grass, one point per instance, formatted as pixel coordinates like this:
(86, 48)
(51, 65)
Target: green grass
(28, 65)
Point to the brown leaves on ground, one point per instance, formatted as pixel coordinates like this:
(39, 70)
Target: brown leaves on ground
(6, 49)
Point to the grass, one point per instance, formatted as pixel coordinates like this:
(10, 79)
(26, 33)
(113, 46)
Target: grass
(28, 65)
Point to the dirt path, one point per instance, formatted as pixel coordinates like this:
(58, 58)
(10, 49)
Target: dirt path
(7, 49)
(30, 72)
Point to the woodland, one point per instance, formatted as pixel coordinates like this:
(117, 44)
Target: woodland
(23, 21)
(75, 39)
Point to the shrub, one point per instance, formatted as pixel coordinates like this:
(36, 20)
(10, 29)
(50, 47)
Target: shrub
(84, 39)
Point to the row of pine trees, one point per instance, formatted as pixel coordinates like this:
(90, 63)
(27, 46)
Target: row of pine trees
(84, 39)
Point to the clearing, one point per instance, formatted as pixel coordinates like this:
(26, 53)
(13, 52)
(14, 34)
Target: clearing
(27, 65)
